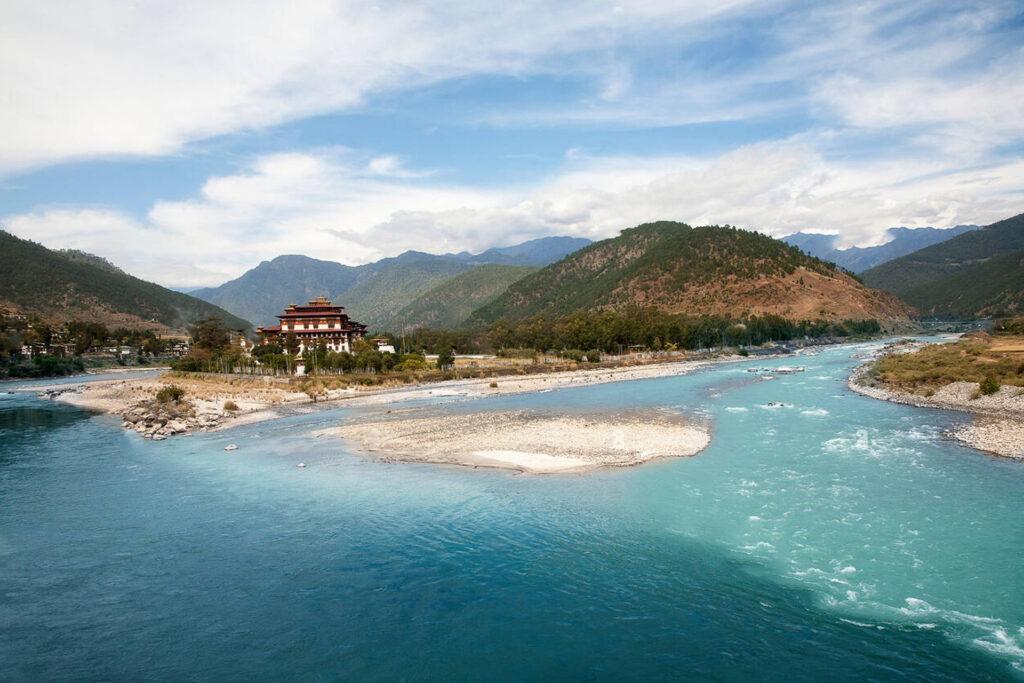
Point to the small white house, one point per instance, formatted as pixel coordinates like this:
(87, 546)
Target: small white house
(383, 345)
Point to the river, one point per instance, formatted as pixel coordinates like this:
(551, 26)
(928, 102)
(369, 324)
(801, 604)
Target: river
(833, 537)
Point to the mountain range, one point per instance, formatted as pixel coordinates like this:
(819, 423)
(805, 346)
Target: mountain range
(964, 272)
(708, 270)
(60, 286)
(901, 241)
(976, 274)
(378, 294)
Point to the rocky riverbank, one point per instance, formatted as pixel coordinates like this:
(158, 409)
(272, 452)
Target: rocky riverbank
(263, 398)
(998, 424)
(158, 420)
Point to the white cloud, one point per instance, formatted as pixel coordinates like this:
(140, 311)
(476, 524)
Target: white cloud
(107, 78)
(933, 92)
(328, 205)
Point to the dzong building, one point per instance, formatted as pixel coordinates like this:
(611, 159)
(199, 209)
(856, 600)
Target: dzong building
(315, 323)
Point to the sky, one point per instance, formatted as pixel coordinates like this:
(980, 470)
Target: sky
(188, 141)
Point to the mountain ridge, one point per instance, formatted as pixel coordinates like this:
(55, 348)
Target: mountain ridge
(373, 293)
(902, 241)
(705, 270)
(975, 274)
(63, 286)
(450, 304)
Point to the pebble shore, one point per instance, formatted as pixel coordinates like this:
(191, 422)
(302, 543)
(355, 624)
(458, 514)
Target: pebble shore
(998, 424)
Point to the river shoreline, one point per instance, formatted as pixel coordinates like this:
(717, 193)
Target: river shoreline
(257, 401)
(997, 427)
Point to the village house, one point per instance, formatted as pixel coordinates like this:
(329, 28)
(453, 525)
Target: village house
(315, 323)
(383, 344)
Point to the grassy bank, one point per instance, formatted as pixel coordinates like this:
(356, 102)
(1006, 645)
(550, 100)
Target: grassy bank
(989, 361)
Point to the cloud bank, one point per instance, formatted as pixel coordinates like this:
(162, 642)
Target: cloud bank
(890, 114)
(324, 205)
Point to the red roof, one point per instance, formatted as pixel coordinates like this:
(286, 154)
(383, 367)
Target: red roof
(318, 308)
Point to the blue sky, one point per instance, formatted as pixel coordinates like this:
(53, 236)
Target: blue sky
(188, 142)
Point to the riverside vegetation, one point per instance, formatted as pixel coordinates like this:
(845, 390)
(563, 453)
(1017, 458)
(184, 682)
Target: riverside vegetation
(584, 336)
(991, 361)
(66, 350)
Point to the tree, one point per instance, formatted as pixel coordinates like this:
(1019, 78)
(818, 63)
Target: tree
(210, 334)
(315, 357)
(152, 346)
(291, 343)
(267, 350)
(446, 359)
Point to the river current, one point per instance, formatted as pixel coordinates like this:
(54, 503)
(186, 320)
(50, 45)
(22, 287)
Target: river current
(833, 537)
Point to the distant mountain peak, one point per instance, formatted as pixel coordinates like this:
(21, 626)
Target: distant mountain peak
(902, 240)
(373, 292)
(975, 274)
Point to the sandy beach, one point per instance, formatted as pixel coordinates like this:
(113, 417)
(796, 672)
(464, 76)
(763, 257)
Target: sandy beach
(525, 441)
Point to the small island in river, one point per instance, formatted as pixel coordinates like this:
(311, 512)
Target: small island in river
(527, 441)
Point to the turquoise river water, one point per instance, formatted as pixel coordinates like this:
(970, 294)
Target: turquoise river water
(834, 538)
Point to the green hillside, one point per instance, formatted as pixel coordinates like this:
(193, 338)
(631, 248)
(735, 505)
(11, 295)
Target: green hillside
(990, 288)
(380, 293)
(375, 291)
(681, 269)
(61, 287)
(451, 303)
(974, 274)
(263, 292)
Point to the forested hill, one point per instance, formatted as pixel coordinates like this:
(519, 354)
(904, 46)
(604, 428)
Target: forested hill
(374, 293)
(60, 287)
(451, 303)
(974, 274)
(709, 270)
(263, 292)
(386, 286)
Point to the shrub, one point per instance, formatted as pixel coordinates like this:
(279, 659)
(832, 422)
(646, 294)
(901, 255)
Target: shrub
(189, 363)
(989, 386)
(493, 385)
(408, 364)
(170, 393)
(445, 360)
(744, 352)
(1010, 326)
(572, 354)
(230, 405)
(516, 353)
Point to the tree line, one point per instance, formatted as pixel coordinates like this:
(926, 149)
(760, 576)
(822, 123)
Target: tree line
(595, 332)
(64, 346)
(615, 330)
